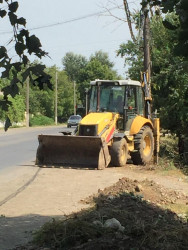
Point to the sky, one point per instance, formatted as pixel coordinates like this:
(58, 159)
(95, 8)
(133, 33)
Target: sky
(74, 25)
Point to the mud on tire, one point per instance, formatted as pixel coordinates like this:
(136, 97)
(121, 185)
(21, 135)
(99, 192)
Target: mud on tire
(144, 146)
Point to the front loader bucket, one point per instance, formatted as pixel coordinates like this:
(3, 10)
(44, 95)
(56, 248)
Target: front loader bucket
(63, 150)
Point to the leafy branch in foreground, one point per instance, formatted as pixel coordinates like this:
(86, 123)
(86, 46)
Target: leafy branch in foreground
(24, 46)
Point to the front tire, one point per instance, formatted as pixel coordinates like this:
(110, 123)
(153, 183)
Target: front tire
(119, 153)
(144, 146)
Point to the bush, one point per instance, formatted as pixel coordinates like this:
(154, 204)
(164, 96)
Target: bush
(169, 147)
(40, 120)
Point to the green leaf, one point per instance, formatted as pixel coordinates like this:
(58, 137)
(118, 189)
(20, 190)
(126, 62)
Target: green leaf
(17, 66)
(20, 47)
(13, 18)
(156, 2)
(37, 69)
(20, 38)
(5, 73)
(7, 124)
(33, 44)
(21, 21)
(4, 104)
(25, 60)
(42, 80)
(3, 13)
(169, 25)
(168, 5)
(3, 52)
(13, 6)
(25, 74)
(12, 89)
(24, 32)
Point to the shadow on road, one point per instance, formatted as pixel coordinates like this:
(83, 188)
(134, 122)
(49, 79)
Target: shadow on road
(16, 231)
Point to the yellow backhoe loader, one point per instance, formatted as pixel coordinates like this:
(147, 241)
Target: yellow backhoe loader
(118, 123)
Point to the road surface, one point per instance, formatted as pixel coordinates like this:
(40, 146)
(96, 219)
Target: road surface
(18, 146)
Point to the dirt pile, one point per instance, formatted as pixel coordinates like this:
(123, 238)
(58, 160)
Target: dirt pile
(144, 211)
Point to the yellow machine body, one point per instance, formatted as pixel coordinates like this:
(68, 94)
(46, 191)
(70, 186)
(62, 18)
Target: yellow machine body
(105, 124)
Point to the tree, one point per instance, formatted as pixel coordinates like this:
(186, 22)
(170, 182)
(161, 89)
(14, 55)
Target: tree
(43, 101)
(65, 96)
(181, 9)
(73, 63)
(102, 57)
(81, 70)
(24, 45)
(169, 79)
(16, 111)
(98, 67)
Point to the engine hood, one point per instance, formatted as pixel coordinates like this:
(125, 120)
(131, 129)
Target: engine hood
(101, 121)
(97, 118)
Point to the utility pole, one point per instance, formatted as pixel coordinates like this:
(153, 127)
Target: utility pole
(74, 98)
(146, 81)
(27, 102)
(146, 33)
(147, 62)
(56, 79)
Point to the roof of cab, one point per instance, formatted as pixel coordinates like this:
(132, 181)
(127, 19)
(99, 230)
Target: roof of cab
(117, 82)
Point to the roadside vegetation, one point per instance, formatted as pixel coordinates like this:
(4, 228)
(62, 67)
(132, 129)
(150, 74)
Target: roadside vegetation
(40, 121)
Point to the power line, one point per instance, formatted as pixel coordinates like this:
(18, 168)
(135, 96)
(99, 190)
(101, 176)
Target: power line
(64, 22)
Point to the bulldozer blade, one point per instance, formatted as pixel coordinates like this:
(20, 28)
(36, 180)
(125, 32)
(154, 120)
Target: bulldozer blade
(68, 150)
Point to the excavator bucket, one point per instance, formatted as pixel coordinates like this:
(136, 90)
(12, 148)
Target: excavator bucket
(65, 150)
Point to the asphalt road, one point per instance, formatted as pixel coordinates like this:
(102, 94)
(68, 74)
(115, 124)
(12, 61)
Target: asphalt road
(18, 146)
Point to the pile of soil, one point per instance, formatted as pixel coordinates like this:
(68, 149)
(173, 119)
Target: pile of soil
(144, 216)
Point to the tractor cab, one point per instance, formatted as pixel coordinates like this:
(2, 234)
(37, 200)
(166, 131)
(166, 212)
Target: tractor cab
(124, 97)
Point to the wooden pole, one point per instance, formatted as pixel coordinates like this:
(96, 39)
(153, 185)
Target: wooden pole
(56, 79)
(74, 98)
(27, 102)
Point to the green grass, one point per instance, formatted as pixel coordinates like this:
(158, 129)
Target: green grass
(40, 120)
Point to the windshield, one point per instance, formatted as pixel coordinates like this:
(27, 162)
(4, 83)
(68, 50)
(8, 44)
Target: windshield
(74, 117)
(111, 98)
(115, 98)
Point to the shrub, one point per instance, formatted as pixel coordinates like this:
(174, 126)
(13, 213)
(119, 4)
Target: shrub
(40, 120)
(169, 147)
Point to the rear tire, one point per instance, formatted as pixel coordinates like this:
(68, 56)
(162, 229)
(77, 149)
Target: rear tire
(144, 146)
(119, 153)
